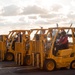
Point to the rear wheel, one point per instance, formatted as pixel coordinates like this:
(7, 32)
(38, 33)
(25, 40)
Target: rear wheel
(9, 57)
(72, 66)
(27, 60)
(49, 65)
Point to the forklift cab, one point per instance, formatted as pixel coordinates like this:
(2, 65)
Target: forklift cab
(63, 57)
(69, 41)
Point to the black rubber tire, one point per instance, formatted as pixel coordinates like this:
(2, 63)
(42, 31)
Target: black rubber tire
(27, 61)
(72, 66)
(8, 58)
(49, 65)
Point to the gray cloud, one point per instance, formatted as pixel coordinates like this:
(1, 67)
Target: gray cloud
(33, 10)
(53, 21)
(56, 7)
(55, 18)
(2, 24)
(71, 16)
(2, 19)
(52, 15)
(58, 20)
(18, 23)
(22, 19)
(11, 10)
(42, 22)
(32, 17)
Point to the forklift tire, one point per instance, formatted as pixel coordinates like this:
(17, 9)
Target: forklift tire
(72, 66)
(27, 60)
(9, 56)
(49, 65)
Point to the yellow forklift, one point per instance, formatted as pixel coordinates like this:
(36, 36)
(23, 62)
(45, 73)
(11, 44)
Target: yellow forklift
(22, 49)
(7, 46)
(63, 57)
(28, 45)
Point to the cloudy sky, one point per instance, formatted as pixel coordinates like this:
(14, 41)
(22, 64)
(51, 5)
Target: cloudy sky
(27, 14)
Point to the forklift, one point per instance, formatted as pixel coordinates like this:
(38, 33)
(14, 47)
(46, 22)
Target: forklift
(7, 44)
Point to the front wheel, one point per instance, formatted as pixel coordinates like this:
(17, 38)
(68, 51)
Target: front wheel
(72, 66)
(27, 60)
(9, 57)
(49, 65)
